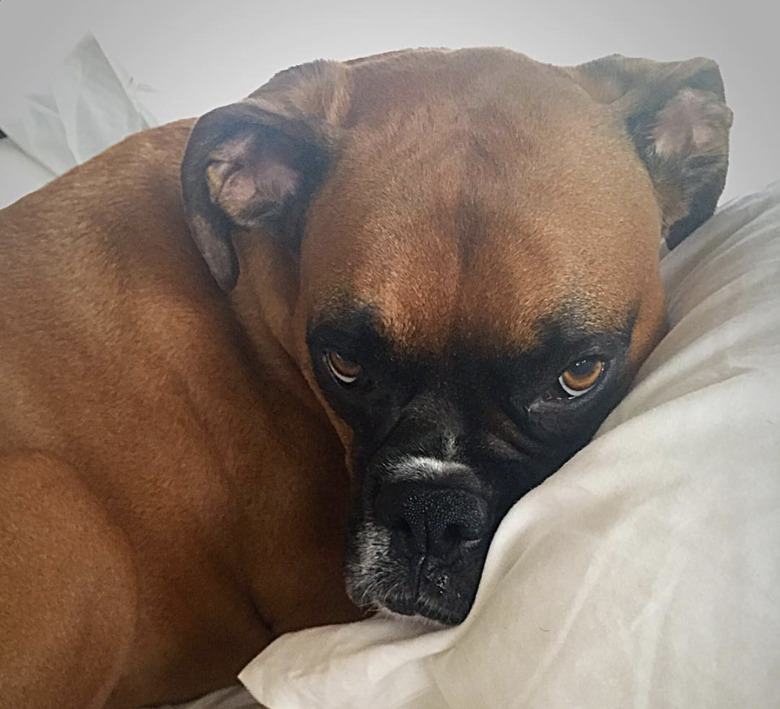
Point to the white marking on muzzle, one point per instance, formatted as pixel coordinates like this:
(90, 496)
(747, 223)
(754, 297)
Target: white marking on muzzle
(423, 468)
(366, 576)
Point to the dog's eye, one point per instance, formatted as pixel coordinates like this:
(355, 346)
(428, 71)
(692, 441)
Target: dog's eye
(582, 376)
(342, 369)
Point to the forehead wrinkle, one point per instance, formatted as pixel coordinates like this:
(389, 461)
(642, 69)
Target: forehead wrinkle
(412, 268)
(424, 293)
(413, 284)
(517, 273)
(509, 317)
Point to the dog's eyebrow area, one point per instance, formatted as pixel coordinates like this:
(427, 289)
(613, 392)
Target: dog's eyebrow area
(357, 331)
(575, 323)
(348, 326)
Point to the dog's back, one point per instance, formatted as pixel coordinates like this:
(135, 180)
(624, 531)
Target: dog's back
(122, 361)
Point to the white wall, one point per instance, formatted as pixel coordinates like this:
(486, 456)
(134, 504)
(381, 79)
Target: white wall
(199, 54)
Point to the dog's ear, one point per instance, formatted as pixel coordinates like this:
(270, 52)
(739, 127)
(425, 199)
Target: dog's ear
(257, 163)
(676, 115)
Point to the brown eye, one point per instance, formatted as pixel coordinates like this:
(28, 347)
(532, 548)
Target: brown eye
(342, 369)
(582, 376)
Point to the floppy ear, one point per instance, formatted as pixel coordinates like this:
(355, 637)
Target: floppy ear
(676, 115)
(256, 164)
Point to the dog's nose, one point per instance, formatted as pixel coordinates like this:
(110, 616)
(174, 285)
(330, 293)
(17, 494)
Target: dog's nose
(430, 519)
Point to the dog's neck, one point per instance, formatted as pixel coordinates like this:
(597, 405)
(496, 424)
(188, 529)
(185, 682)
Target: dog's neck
(267, 314)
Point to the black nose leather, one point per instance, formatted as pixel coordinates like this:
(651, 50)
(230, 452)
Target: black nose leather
(431, 519)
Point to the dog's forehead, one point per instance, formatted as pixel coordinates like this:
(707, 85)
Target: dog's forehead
(479, 198)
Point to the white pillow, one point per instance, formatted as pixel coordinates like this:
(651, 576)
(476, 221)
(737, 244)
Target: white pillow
(646, 572)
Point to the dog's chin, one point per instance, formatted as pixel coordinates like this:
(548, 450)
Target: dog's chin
(415, 589)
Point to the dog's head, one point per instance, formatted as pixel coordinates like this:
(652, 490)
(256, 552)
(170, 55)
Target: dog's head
(459, 252)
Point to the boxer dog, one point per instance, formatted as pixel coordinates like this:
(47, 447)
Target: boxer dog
(298, 358)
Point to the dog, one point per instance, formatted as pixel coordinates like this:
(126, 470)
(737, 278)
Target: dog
(292, 362)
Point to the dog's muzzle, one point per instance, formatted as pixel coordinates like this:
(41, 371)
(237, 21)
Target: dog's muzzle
(420, 547)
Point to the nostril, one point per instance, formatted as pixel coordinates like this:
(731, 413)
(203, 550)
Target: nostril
(453, 535)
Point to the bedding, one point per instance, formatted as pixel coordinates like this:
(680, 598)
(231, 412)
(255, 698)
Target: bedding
(88, 105)
(646, 572)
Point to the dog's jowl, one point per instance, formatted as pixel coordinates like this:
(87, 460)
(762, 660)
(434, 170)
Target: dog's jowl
(294, 361)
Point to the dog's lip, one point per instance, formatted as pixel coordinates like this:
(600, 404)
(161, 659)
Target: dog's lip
(426, 595)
